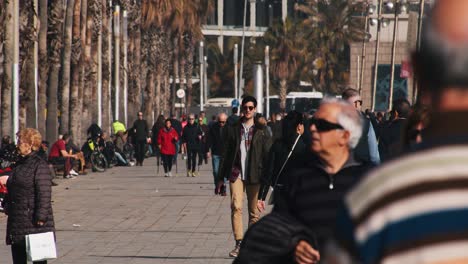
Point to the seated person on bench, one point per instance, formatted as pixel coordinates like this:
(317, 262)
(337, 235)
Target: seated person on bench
(59, 156)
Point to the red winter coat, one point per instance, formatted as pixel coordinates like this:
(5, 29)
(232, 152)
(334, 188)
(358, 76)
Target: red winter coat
(167, 141)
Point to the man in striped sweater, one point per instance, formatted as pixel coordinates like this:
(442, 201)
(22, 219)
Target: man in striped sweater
(415, 209)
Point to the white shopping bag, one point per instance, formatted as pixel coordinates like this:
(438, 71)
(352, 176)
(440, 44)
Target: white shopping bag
(41, 246)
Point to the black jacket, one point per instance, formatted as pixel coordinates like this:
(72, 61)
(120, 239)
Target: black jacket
(177, 126)
(29, 199)
(140, 128)
(215, 139)
(258, 153)
(314, 196)
(390, 144)
(191, 136)
(278, 154)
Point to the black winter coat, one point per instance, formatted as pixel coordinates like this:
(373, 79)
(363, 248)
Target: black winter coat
(29, 199)
(141, 129)
(191, 136)
(216, 138)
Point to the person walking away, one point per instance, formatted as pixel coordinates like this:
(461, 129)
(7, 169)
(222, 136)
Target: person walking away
(367, 149)
(292, 128)
(191, 138)
(140, 129)
(244, 161)
(202, 154)
(28, 202)
(215, 141)
(167, 138)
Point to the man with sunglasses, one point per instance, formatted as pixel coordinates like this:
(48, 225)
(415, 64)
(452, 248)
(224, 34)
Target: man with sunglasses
(316, 188)
(244, 161)
(215, 141)
(367, 150)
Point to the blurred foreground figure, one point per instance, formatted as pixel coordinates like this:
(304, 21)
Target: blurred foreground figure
(415, 209)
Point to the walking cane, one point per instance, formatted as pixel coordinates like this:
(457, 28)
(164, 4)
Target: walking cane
(281, 170)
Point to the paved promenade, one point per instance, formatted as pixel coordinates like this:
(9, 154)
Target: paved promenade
(132, 215)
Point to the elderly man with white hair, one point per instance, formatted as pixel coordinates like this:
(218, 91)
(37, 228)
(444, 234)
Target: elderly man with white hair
(314, 194)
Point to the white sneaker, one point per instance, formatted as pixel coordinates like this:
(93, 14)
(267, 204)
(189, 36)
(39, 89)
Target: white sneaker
(73, 172)
(166, 174)
(69, 176)
(170, 174)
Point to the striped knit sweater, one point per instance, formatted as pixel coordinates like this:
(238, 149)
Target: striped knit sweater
(412, 210)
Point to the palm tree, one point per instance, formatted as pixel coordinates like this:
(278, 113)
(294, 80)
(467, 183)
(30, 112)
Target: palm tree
(44, 69)
(106, 114)
(55, 25)
(75, 103)
(8, 70)
(285, 40)
(66, 60)
(331, 27)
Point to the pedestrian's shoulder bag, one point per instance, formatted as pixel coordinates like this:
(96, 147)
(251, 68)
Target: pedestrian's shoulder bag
(40, 247)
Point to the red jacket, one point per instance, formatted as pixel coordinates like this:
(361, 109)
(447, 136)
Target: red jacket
(167, 141)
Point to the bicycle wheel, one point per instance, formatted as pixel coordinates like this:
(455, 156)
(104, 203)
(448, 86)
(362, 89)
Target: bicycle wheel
(98, 161)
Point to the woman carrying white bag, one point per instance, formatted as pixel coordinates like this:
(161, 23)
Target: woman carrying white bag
(28, 202)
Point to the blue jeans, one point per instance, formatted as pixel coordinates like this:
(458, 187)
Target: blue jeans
(215, 159)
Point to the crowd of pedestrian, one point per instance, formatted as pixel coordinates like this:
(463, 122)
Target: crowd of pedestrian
(347, 185)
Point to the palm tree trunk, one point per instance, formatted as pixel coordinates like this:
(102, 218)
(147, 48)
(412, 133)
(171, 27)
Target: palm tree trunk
(44, 67)
(75, 107)
(157, 97)
(85, 57)
(150, 94)
(106, 124)
(65, 80)
(175, 76)
(8, 74)
(134, 57)
(282, 94)
(28, 36)
(55, 47)
(189, 70)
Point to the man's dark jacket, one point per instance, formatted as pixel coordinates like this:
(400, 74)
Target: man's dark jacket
(259, 148)
(190, 136)
(216, 137)
(29, 199)
(141, 128)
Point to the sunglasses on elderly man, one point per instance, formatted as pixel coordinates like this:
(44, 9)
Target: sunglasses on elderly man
(323, 125)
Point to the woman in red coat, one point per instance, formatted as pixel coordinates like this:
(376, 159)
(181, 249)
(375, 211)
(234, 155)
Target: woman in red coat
(167, 138)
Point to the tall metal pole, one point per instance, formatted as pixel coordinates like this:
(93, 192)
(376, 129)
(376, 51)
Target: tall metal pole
(242, 49)
(201, 61)
(376, 59)
(363, 55)
(205, 79)
(36, 69)
(267, 84)
(418, 46)
(125, 53)
(117, 60)
(392, 69)
(236, 64)
(16, 81)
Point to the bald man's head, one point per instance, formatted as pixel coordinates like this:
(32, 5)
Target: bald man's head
(442, 61)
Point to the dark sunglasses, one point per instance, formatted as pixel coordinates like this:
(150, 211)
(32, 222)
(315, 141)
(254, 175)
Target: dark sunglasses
(222, 122)
(250, 108)
(358, 102)
(323, 125)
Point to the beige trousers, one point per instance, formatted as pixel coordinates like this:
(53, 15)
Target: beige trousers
(237, 195)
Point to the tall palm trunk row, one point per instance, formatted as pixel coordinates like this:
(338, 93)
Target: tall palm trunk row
(69, 35)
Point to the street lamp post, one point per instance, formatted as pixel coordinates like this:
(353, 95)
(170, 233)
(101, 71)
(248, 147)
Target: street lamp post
(201, 62)
(376, 59)
(418, 45)
(236, 57)
(370, 9)
(267, 82)
(399, 7)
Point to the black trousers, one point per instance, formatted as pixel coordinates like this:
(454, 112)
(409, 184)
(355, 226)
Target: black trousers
(18, 252)
(192, 159)
(167, 162)
(140, 150)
